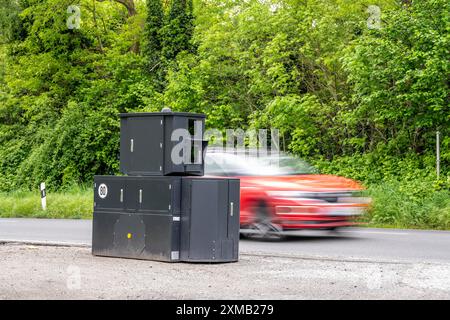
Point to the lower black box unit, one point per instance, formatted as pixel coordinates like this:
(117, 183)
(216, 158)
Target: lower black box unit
(167, 218)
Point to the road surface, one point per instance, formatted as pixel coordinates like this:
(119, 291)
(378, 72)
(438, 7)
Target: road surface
(354, 264)
(387, 245)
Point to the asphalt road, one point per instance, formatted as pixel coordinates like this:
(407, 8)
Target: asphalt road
(381, 245)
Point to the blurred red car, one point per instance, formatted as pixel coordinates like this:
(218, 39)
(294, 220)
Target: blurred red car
(288, 194)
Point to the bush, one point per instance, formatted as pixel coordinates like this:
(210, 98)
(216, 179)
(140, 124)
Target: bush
(410, 204)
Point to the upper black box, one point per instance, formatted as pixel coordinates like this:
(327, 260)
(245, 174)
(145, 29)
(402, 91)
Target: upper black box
(162, 143)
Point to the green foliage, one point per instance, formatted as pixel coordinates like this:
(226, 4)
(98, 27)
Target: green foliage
(10, 28)
(178, 29)
(371, 168)
(82, 129)
(153, 37)
(166, 36)
(360, 102)
(62, 92)
(399, 77)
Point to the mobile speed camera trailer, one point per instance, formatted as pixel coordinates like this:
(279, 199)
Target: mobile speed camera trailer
(163, 208)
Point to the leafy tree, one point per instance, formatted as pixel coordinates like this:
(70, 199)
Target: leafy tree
(62, 92)
(399, 79)
(178, 30)
(10, 27)
(153, 45)
(369, 100)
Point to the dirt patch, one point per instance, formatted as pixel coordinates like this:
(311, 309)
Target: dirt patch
(46, 272)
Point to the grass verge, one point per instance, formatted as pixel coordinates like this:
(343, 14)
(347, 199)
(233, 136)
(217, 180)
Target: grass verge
(73, 203)
(416, 204)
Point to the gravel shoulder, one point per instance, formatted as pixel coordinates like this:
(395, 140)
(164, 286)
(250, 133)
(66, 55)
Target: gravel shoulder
(58, 272)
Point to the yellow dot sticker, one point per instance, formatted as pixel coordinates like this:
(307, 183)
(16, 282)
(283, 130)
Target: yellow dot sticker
(129, 236)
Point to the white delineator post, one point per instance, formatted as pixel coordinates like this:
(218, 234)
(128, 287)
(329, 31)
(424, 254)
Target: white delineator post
(438, 154)
(43, 196)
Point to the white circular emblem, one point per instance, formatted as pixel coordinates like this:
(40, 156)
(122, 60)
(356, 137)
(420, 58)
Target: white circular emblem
(102, 191)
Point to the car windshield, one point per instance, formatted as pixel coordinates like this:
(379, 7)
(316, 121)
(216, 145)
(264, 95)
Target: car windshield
(226, 164)
(288, 165)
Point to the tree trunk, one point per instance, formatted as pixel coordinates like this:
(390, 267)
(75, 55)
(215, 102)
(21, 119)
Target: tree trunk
(129, 4)
(131, 8)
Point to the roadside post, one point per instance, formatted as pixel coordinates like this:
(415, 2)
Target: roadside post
(43, 196)
(438, 153)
